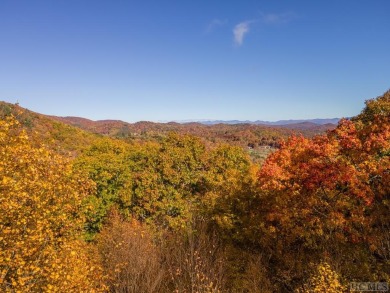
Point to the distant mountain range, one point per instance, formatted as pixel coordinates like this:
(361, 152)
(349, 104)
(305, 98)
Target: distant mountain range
(261, 122)
(73, 134)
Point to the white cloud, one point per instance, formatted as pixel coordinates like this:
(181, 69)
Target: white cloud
(239, 32)
(215, 23)
(242, 29)
(277, 18)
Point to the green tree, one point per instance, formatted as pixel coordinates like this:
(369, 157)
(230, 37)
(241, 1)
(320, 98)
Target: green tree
(105, 162)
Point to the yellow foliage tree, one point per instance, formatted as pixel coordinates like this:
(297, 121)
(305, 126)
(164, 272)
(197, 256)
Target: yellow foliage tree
(40, 219)
(324, 280)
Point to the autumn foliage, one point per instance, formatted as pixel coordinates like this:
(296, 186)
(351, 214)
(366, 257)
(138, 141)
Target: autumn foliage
(329, 196)
(172, 212)
(41, 218)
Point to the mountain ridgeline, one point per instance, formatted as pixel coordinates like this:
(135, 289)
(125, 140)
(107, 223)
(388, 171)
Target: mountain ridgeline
(275, 123)
(74, 133)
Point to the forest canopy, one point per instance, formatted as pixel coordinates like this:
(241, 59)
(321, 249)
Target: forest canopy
(179, 212)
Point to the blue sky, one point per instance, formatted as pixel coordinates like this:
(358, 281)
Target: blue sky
(175, 60)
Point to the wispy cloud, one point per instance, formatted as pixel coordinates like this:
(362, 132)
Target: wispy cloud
(242, 29)
(214, 24)
(277, 18)
(239, 32)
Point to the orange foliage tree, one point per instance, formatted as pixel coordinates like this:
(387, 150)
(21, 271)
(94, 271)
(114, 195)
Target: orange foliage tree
(324, 198)
(334, 190)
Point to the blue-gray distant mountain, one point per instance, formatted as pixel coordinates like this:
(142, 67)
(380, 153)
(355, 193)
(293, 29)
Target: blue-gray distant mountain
(260, 122)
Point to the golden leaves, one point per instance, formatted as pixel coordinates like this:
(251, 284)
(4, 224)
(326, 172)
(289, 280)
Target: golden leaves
(40, 216)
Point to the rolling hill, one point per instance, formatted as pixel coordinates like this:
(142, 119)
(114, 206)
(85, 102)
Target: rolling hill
(75, 133)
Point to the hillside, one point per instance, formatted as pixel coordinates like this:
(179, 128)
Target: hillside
(73, 134)
(61, 137)
(239, 134)
(117, 127)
